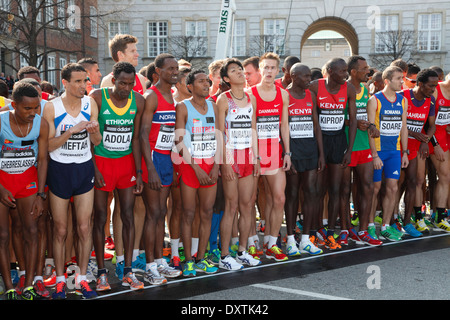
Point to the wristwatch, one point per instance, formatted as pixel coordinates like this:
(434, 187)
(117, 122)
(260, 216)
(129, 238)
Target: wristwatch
(288, 154)
(406, 151)
(43, 195)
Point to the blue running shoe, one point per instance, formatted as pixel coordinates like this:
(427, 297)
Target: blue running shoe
(204, 266)
(87, 292)
(188, 270)
(119, 270)
(60, 292)
(413, 232)
(138, 265)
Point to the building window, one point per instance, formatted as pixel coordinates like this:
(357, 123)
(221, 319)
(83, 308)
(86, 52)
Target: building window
(157, 32)
(274, 32)
(197, 37)
(5, 5)
(61, 11)
(121, 27)
(239, 40)
(386, 33)
(429, 32)
(22, 60)
(49, 12)
(93, 18)
(51, 69)
(62, 63)
(39, 12)
(23, 9)
(315, 53)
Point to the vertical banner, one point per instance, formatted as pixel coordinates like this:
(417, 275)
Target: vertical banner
(225, 29)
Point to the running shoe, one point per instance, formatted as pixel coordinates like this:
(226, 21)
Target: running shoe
(60, 292)
(399, 226)
(309, 247)
(166, 271)
(153, 276)
(391, 234)
(413, 232)
(372, 231)
(298, 226)
(343, 238)
(292, 250)
(247, 259)
(352, 235)
(102, 283)
(260, 228)
(253, 252)
(188, 270)
(444, 225)
(366, 238)
(276, 254)
(176, 263)
(109, 243)
(181, 254)
(228, 263)
(21, 285)
(214, 256)
(233, 250)
(92, 270)
(138, 265)
(379, 219)
(106, 256)
(204, 266)
(130, 280)
(355, 219)
(421, 225)
(86, 290)
(30, 294)
(40, 289)
(119, 270)
(14, 276)
(331, 243)
(11, 294)
(322, 233)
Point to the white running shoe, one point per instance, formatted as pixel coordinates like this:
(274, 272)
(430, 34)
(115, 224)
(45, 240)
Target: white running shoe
(167, 271)
(292, 250)
(309, 247)
(153, 276)
(228, 263)
(247, 259)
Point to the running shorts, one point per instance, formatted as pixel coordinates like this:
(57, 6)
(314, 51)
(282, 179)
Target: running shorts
(361, 157)
(241, 161)
(70, 179)
(118, 173)
(164, 168)
(392, 165)
(303, 165)
(271, 157)
(334, 147)
(20, 185)
(442, 138)
(188, 176)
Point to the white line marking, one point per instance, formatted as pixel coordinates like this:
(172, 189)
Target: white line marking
(222, 273)
(299, 292)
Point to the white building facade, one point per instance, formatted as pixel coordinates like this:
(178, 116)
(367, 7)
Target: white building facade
(188, 28)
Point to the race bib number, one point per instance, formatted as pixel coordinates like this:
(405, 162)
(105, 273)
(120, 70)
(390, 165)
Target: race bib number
(301, 127)
(17, 161)
(117, 138)
(331, 119)
(268, 127)
(77, 145)
(165, 137)
(443, 116)
(390, 125)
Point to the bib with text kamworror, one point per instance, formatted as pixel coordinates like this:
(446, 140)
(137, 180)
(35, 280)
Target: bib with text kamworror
(117, 137)
(17, 161)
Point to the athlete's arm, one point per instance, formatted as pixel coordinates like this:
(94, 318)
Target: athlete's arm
(256, 159)
(317, 133)
(404, 134)
(371, 114)
(284, 130)
(92, 127)
(42, 164)
(222, 110)
(214, 173)
(352, 125)
(135, 142)
(151, 103)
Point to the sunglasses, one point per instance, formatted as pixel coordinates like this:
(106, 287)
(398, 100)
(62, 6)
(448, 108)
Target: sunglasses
(411, 80)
